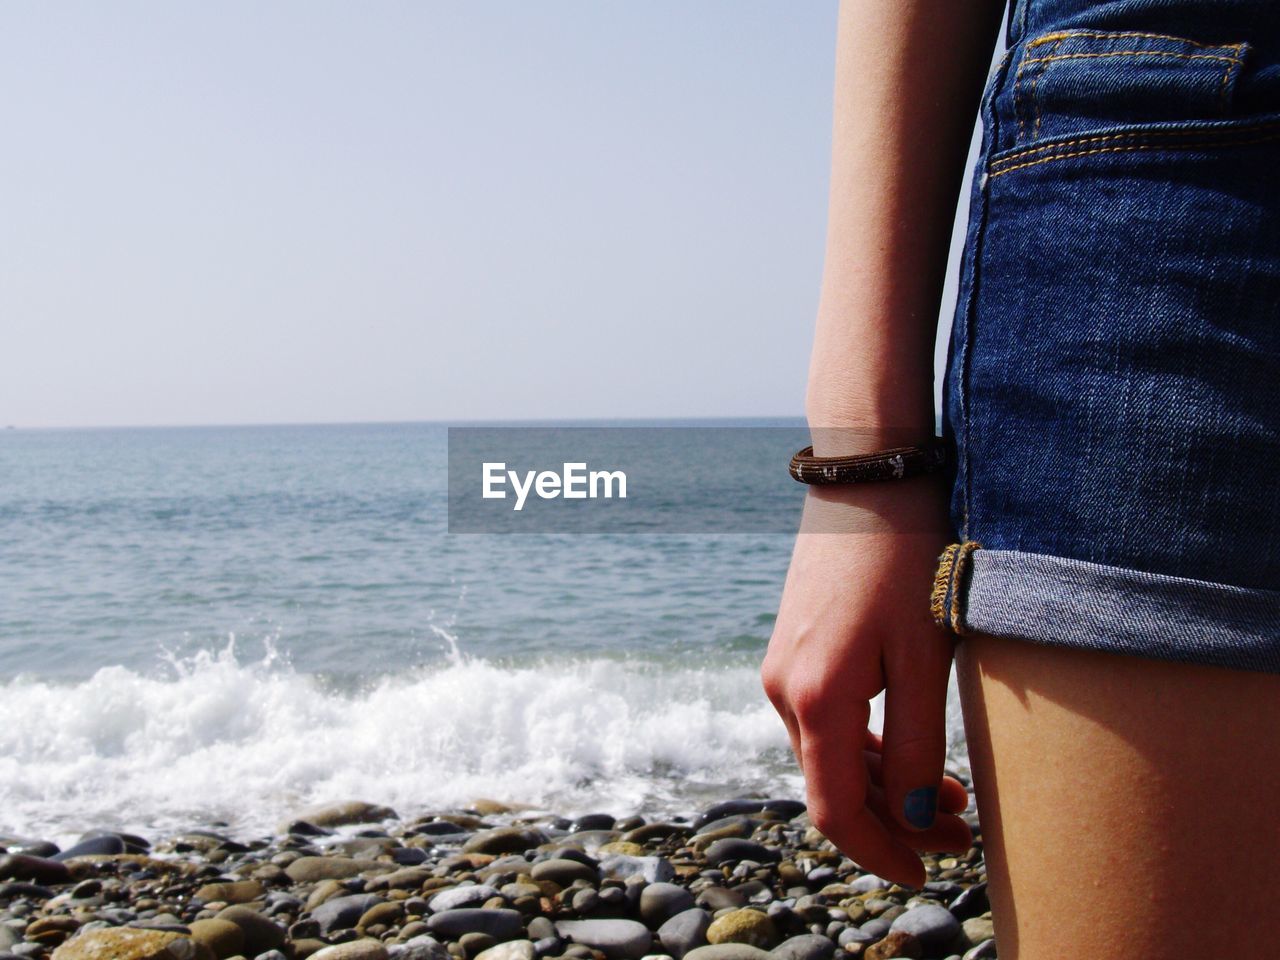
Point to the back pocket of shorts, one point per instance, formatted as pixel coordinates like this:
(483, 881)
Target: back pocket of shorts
(1073, 81)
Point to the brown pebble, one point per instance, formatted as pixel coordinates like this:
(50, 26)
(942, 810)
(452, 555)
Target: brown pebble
(896, 943)
(412, 929)
(20, 866)
(51, 931)
(240, 891)
(270, 873)
(260, 933)
(382, 914)
(353, 950)
(744, 926)
(473, 944)
(119, 943)
(223, 937)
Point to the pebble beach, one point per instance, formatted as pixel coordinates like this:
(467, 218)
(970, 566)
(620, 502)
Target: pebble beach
(253, 690)
(744, 879)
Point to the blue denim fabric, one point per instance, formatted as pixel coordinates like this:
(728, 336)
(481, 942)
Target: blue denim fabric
(1113, 382)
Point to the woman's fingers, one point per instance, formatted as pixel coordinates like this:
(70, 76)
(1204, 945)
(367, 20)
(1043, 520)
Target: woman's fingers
(914, 744)
(836, 779)
(942, 836)
(953, 796)
(948, 832)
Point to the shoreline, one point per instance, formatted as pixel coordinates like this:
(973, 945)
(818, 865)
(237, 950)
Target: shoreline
(746, 879)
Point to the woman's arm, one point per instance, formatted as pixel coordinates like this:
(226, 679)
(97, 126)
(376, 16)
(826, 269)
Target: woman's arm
(854, 617)
(908, 77)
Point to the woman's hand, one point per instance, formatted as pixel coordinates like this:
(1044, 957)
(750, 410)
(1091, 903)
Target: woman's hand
(855, 614)
(854, 620)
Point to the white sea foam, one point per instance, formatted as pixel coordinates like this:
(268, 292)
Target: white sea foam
(217, 739)
(249, 743)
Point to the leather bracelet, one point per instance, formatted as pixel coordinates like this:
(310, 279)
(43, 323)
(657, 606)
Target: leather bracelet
(896, 463)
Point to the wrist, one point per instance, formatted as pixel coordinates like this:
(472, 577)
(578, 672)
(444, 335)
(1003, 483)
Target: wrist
(872, 404)
(855, 427)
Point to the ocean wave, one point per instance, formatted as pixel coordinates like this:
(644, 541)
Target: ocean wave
(213, 739)
(217, 739)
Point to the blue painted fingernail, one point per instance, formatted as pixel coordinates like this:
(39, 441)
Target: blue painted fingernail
(921, 806)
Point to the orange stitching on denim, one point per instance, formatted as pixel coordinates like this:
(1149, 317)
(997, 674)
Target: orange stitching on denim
(1233, 63)
(1130, 135)
(1017, 97)
(1142, 146)
(1068, 34)
(1035, 101)
(1133, 53)
(1226, 74)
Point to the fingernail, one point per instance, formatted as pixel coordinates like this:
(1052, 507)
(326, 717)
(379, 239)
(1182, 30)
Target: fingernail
(920, 806)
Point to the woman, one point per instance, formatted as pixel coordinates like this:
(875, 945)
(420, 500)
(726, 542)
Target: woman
(1112, 413)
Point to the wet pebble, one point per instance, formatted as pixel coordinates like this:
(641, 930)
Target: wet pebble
(260, 933)
(745, 880)
(729, 951)
(354, 950)
(343, 912)
(734, 849)
(222, 937)
(744, 926)
(933, 926)
(23, 866)
(659, 902)
(421, 947)
(617, 939)
(563, 871)
(685, 931)
(501, 924)
(470, 895)
(805, 947)
(511, 950)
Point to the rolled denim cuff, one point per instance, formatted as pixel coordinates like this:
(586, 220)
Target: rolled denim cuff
(1073, 603)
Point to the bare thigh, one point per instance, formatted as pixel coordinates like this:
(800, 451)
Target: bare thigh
(1128, 806)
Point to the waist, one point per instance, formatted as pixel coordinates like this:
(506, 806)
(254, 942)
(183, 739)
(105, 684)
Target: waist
(1113, 61)
(1256, 22)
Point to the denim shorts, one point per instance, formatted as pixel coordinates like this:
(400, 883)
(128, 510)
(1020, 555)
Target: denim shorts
(1112, 390)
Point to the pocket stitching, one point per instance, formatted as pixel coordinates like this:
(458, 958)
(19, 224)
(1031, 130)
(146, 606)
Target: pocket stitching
(1223, 88)
(1131, 135)
(1111, 35)
(1017, 98)
(1274, 134)
(1032, 113)
(1136, 53)
(1035, 130)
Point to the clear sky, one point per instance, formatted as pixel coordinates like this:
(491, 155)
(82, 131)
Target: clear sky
(312, 212)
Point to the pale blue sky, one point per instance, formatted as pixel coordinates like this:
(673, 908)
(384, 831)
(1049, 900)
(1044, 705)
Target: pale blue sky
(297, 212)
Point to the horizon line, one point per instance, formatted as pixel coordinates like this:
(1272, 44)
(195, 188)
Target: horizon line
(456, 421)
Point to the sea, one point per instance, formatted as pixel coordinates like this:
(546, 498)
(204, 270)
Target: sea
(222, 625)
